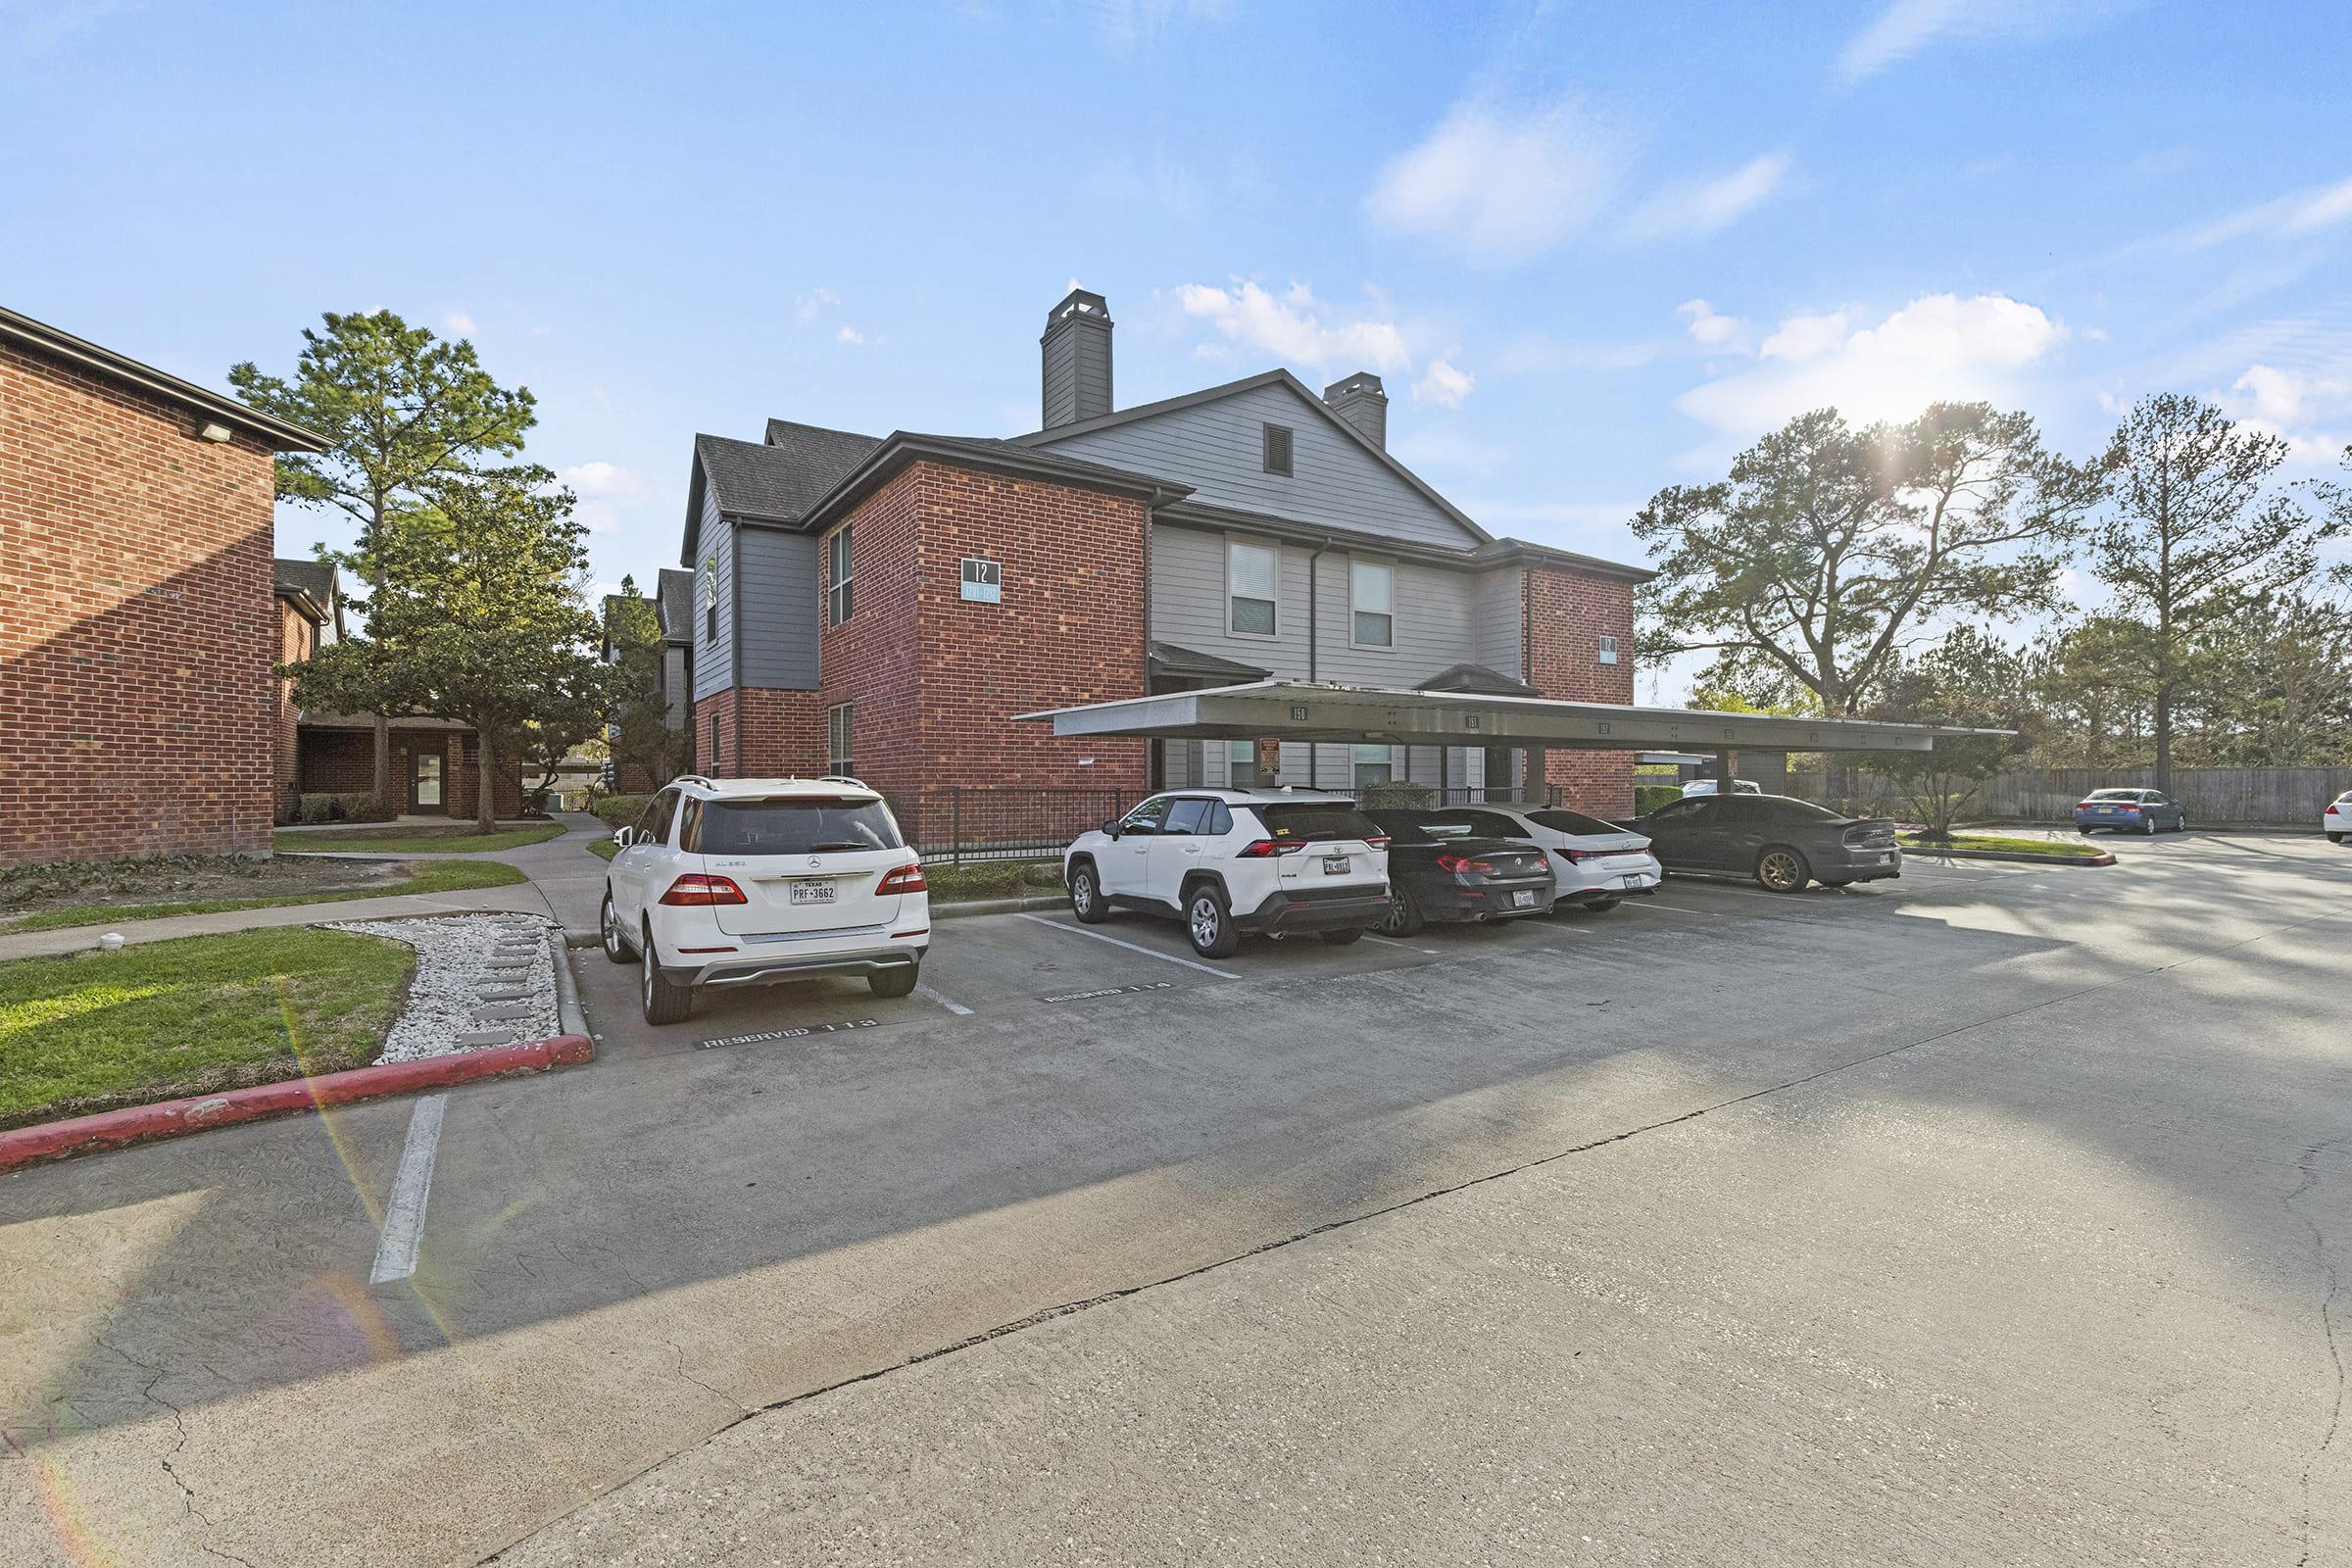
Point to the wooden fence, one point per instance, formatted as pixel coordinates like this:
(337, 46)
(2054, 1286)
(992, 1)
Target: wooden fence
(2292, 797)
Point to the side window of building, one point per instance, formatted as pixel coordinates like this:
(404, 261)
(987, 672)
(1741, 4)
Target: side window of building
(1372, 603)
(838, 600)
(1252, 584)
(841, 738)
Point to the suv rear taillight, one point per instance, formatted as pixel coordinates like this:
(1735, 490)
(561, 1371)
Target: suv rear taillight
(1267, 849)
(695, 889)
(905, 879)
(1380, 841)
(1458, 865)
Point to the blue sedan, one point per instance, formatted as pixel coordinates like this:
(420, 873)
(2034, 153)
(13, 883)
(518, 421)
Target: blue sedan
(2149, 811)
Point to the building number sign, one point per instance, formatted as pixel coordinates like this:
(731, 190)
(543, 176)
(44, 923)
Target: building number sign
(983, 580)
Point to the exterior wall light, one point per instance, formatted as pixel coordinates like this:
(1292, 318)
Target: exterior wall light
(215, 432)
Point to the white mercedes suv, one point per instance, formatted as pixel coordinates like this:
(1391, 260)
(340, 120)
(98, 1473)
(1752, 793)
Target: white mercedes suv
(1231, 861)
(755, 881)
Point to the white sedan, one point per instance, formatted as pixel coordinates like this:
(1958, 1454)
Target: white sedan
(1594, 864)
(2336, 820)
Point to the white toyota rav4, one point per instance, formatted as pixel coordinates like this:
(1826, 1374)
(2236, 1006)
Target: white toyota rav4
(755, 881)
(1230, 862)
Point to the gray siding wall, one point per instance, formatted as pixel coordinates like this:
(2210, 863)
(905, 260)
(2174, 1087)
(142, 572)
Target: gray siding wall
(1217, 448)
(713, 656)
(1433, 624)
(1500, 632)
(1187, 602)
(781, 608)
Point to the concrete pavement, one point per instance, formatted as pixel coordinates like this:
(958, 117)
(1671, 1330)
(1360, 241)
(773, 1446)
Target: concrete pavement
(565, 884)
(1993, 1217)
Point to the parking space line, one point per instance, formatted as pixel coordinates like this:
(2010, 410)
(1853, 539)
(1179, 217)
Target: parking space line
(1164, 957)
(956, 1008)
(411, 1186)
(1399, 941)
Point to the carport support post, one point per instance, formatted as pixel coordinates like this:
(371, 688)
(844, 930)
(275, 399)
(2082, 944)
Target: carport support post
(1537, 794)
(1722, 772)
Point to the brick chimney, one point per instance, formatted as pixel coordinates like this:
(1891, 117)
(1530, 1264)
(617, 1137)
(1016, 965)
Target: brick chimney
(1077, 359)
(1360, 402)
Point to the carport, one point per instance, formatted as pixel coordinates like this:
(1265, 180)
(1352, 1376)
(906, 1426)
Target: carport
(1317, 711)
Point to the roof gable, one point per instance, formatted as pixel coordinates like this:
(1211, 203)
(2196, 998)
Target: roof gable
(1212, 441)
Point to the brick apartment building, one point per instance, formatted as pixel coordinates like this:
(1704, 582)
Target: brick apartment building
(885, 605)
(137, 619)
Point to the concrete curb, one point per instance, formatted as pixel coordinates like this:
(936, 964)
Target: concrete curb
(969, 907)
(2103, 858)
(139, 1124)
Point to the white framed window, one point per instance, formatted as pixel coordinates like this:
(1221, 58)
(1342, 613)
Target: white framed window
(841, 753)
(1252, 584)
(1371, 603)
(1608, 650)
(711, 597)
(1373, 766)
(1241, 765)
(837, 578)
(983, 580)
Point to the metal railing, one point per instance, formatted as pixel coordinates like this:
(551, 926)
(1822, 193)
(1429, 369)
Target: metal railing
(954, 824)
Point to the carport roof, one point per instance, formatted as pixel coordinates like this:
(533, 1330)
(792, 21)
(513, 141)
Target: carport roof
(1312, 711)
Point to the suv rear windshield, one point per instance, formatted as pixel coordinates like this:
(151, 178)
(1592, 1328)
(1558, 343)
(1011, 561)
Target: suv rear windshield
(1572, 822)
(1314, 823)
(803, 825)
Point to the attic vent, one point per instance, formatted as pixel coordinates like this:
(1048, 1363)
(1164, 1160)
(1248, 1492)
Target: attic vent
(1278, 447)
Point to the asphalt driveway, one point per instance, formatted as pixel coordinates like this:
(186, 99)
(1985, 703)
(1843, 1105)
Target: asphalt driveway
(1994, 1215)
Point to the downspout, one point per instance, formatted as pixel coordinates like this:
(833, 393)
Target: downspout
(1314, 618)
(735, 630)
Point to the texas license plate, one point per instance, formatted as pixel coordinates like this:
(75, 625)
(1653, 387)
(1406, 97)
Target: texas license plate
(1334, 865)
(1523, 901)
(812, 893)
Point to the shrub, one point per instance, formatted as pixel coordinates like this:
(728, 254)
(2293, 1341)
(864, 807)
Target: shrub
(1648, 798)
(1393, 795)
(619, 811)
(334, 808)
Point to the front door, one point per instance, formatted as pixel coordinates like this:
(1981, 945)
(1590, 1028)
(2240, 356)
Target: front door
(425, 782)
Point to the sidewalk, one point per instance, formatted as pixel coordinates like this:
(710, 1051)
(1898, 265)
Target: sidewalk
(566, 884)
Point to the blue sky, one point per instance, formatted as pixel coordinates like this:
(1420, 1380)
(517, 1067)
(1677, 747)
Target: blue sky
(1594, 249)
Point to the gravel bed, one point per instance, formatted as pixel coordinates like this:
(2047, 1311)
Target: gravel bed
(461, 961)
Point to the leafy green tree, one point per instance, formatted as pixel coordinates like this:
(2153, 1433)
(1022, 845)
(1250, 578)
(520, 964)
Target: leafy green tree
(2089, 684)
(478, 617)
(2195, 529)
(1828, 549)
(1968, 680)
(640, 734)
(402, 411)
(2269, 684)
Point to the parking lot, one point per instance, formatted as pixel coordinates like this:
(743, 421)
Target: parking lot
(1995, 1215)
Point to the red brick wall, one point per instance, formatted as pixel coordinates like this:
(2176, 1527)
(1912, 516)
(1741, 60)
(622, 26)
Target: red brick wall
(137, 624)
(763, 732)
(342, 761)
(1567, 613)
(935, 679)
(296, 639)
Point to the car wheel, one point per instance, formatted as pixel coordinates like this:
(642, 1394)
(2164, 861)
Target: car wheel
(896, 981)
(1604, 905)
(617, 946)
(2336, 838)
(1210, 924)
(1086, 897)
(1404, 918)
(1781, 869)
(664, 1003)
(2147, 827)
(1347, 938)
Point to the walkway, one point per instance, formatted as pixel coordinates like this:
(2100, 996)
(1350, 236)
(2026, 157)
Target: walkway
(565, 884)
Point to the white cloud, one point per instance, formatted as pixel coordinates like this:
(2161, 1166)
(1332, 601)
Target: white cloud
(460, 324)
(1937, 347)
(2314, 412)
(1705, 327)
(849, 334)
(1443, 383)
(1290, 325)
(606, 492)
(1710, 205)
(809, 306)
(1907, 26)
(1497, 188)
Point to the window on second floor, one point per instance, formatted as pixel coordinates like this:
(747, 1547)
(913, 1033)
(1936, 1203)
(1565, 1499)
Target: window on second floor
(1252, 575)
(1608, 650)
(837, 577)
(710, 599)
(1372, 603)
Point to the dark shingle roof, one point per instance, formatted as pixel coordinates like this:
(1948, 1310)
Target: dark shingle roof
(1028, 457)
(1186, 663)
(1477, 678)
(819, 458)
(776, 484)
(312, 580)
(676, 596)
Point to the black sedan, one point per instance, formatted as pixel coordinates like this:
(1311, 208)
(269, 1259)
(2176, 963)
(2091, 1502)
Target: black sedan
(1780, 841)
(1457, 876)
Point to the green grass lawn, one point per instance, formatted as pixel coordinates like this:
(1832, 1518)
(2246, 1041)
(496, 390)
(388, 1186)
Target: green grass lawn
(424, 876)
(97, 1031)
(603, 849)
(993, 879)
(457, 839)
(2010, 846)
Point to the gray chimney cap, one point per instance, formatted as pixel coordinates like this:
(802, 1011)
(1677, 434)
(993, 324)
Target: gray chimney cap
(1081, 302)
(1362, 381)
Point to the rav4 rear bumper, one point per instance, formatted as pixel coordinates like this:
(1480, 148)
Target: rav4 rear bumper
(1315, 911)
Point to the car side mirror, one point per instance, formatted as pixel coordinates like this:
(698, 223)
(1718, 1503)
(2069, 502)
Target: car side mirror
(623, 836)
(1111, 830)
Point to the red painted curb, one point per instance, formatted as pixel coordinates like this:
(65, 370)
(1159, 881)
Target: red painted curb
(139, 1124)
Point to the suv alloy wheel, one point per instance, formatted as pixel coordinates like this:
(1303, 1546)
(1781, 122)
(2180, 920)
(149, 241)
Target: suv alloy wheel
(617, 950)
(663, 1001)
(1086, 896)
(1210, 924)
